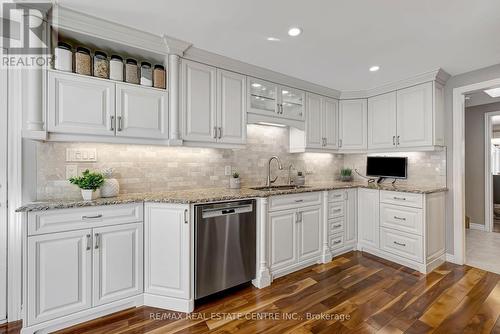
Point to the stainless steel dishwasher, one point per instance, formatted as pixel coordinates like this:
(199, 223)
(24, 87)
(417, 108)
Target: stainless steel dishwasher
(225, 246)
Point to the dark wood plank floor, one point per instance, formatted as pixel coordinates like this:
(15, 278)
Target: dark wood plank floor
(355, 293)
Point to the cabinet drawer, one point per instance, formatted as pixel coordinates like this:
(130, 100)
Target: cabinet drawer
(401, 198)
(336, 209)
(335, 225)
(336, 241)
(336, 195)
(402, 244)
(78, 218)
(401, 218)
(292, 201)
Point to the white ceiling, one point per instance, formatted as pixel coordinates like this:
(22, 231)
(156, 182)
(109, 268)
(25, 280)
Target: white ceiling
(479, 98)
(341, 38)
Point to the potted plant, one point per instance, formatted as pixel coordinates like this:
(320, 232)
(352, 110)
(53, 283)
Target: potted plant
(345, 174)
(234, 181)
(89, 182)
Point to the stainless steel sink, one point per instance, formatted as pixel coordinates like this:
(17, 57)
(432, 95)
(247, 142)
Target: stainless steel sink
(276, 188)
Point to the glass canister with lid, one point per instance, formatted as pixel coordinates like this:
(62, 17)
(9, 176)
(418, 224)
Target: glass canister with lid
(159, 77)
(63, 57)
(101, 65)
(146, 74)
(116, 68)
(83, 61)
(131, 71)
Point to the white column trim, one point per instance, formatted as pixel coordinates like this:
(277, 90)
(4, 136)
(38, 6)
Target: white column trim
(326, 254)
(263, 275)
(174, 63)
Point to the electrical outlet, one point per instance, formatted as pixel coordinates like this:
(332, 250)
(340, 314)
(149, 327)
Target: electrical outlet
(227, 170)
(81, 155)
(71, 171)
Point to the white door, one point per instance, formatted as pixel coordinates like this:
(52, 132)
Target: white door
(351, 216)
(3, 193)
(59, 274)
(368, 217)
(231, 107)
(382, 121)
(117, 262)
(198, 102)
(81, 105)
(167, 250)
(262, 97)
(314, 135)
(141, 112)
(291, 103)
(310, 236)
(330, 123)
(283, 236)
(353, 124)
(415, 109)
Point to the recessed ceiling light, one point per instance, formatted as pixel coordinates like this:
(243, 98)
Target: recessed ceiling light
(294, 31)
(493, 92)
(256, 85)
(273, 39)
(374, 68)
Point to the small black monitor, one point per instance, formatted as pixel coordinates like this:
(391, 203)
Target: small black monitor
(387, 167)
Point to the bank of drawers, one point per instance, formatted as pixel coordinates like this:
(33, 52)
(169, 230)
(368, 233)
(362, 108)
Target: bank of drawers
(336, 219)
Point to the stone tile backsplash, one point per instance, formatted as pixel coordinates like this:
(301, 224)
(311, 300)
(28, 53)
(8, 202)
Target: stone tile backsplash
(141, 168)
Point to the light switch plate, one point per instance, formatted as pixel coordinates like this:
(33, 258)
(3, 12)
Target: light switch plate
(227, 170)
(81, 155)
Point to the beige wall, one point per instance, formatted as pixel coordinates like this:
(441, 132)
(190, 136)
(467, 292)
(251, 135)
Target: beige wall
(474, 161)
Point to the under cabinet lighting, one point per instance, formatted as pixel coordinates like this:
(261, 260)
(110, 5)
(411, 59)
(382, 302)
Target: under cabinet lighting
(272, 124)
(273, 39)
(493, 92)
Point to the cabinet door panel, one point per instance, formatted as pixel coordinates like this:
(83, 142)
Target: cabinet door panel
(198, 102)
(382, 121)
(330, 123)
(231, 107)
(414, 114)
(314, 127)
(141, 112)
(283, 236)
(118, 262)
(59, 275)
(292, 103)
(351, 216)
(310, 232)
(368, 217)
(353, 125)
(262, 97)
(80, 105)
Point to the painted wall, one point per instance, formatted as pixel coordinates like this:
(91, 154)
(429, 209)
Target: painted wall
(484, 74)
(474, 160)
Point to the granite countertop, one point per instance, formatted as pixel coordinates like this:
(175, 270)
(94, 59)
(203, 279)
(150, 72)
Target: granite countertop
(216, 195)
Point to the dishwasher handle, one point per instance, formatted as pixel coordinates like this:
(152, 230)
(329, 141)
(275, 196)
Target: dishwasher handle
(211, 213)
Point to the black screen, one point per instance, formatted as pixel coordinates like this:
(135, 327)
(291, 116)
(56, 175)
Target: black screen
(394, 167)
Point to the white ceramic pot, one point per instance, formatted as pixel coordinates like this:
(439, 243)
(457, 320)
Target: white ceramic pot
(234, 183)
(89, 194)
(110, 188)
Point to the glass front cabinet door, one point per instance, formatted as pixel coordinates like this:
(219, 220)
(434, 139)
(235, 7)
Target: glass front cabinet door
(263, 97)
(291, 103)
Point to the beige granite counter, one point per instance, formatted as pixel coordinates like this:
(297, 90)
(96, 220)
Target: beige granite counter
(217, 195)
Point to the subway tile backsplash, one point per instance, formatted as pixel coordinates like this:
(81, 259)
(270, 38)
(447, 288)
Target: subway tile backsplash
(141, 168)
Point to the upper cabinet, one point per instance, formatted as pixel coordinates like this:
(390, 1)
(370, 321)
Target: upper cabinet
(80, 105)
(213, 104)
(408, 118)
(353, 125)
(291, 103)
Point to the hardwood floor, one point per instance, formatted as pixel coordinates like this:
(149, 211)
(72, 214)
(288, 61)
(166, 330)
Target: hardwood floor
(355, 293)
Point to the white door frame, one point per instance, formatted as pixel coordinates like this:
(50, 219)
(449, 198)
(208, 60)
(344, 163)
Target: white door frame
(458, 185)
(488, 178)
(3, 193)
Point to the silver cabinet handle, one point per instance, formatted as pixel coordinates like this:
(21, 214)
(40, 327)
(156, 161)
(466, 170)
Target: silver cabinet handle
(220, 133)
(112, 118)
(399, 244)
(92, 217)
(297, 217)
(336, 242)
(337, 210)
(88, 242)
(394, 140)
(119, 123)
(340, 142)
(399, 218)
(337, 225)
(337, 195)
(186, 221)
(96, 236)
(299, 200)
(300, 216)
(397, 142)
(215, 132)
(399, 198)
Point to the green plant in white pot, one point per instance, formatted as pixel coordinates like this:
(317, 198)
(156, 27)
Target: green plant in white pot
(89, 182)
(234, 181)
(345, 174)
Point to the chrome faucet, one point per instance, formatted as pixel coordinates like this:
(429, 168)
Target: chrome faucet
(290, 174)
(280, 167)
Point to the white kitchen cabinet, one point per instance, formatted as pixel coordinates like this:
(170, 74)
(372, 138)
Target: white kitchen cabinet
(117, 262)
(262, 97)
(382, 133)
(314, 121)
(353, 123)
(330, 123)
(351, 217)
(368, 217)
(198, 102)
(309, 232)
(291, 103)
(80, 105)
(231, 107)
(59, 275)
(141, 112)
(167, 252)
(283, 235)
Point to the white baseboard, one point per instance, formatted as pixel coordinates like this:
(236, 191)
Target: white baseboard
(169, 303)
(479, 227)
(451, 258)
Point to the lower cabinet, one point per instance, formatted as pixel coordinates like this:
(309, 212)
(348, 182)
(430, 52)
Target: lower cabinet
(368, 217)
(341, 221)
(295, 238)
